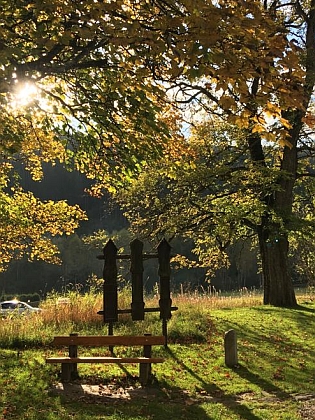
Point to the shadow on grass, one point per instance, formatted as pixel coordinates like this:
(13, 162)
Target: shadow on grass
(266, 386)
(230, 402)
(304, 308)
(127, 402)
(301, 309)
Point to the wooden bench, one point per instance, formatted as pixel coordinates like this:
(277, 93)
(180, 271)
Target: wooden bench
(69, 363)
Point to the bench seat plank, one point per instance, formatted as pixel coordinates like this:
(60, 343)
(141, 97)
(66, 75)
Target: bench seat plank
(107, 340)
(102, 359)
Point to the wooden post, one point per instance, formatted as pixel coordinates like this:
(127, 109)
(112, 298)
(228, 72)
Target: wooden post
(145, 368)
(110, 295)
(230, 348)
(136, 268)
(164, 257)
(165, 302)
(70, 370)
(111, 332)
(164, 331)
(73, 352)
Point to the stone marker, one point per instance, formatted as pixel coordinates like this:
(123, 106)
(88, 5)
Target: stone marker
(230, 348)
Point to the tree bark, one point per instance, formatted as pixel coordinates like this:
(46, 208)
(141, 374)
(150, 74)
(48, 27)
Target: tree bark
(273, 238)
(278, 286)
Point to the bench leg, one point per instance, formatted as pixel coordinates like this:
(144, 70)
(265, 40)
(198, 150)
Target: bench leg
(65, 372)
(145, 368)
(69, 371)
(145, 373)
(73, 352)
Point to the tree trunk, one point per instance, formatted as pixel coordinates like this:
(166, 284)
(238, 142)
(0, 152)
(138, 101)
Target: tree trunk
(273, 236)
(278, 287)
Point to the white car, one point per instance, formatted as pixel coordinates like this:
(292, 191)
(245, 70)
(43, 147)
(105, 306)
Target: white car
(16, 307)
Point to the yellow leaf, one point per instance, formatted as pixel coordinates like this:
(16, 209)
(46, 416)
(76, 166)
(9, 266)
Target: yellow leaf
(285, 123)
(258, 128)
(227, 102)
(285, 143)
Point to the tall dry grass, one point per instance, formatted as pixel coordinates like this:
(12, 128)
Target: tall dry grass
(17, 331)
(76, 312)
(71, 307)
(76, 307)
(212, 299)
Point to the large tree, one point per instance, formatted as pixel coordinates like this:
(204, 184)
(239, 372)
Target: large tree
(76, 87)
(257, 70)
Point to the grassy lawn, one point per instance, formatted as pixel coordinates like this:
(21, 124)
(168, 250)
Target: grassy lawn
(276, 372)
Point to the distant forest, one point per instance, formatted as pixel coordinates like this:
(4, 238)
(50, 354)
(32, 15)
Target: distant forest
(79, 261)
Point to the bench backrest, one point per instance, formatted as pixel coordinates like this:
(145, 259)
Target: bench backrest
(108, 340)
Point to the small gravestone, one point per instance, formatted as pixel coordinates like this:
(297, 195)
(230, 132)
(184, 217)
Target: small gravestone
(230, 348)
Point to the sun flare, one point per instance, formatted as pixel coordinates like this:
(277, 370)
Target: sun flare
(24, 94)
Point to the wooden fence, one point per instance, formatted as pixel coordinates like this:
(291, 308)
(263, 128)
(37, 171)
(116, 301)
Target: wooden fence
(110, 256)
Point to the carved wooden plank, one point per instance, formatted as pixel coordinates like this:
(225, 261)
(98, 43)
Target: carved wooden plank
(110, 296)
(106, 340)
(136, 269)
